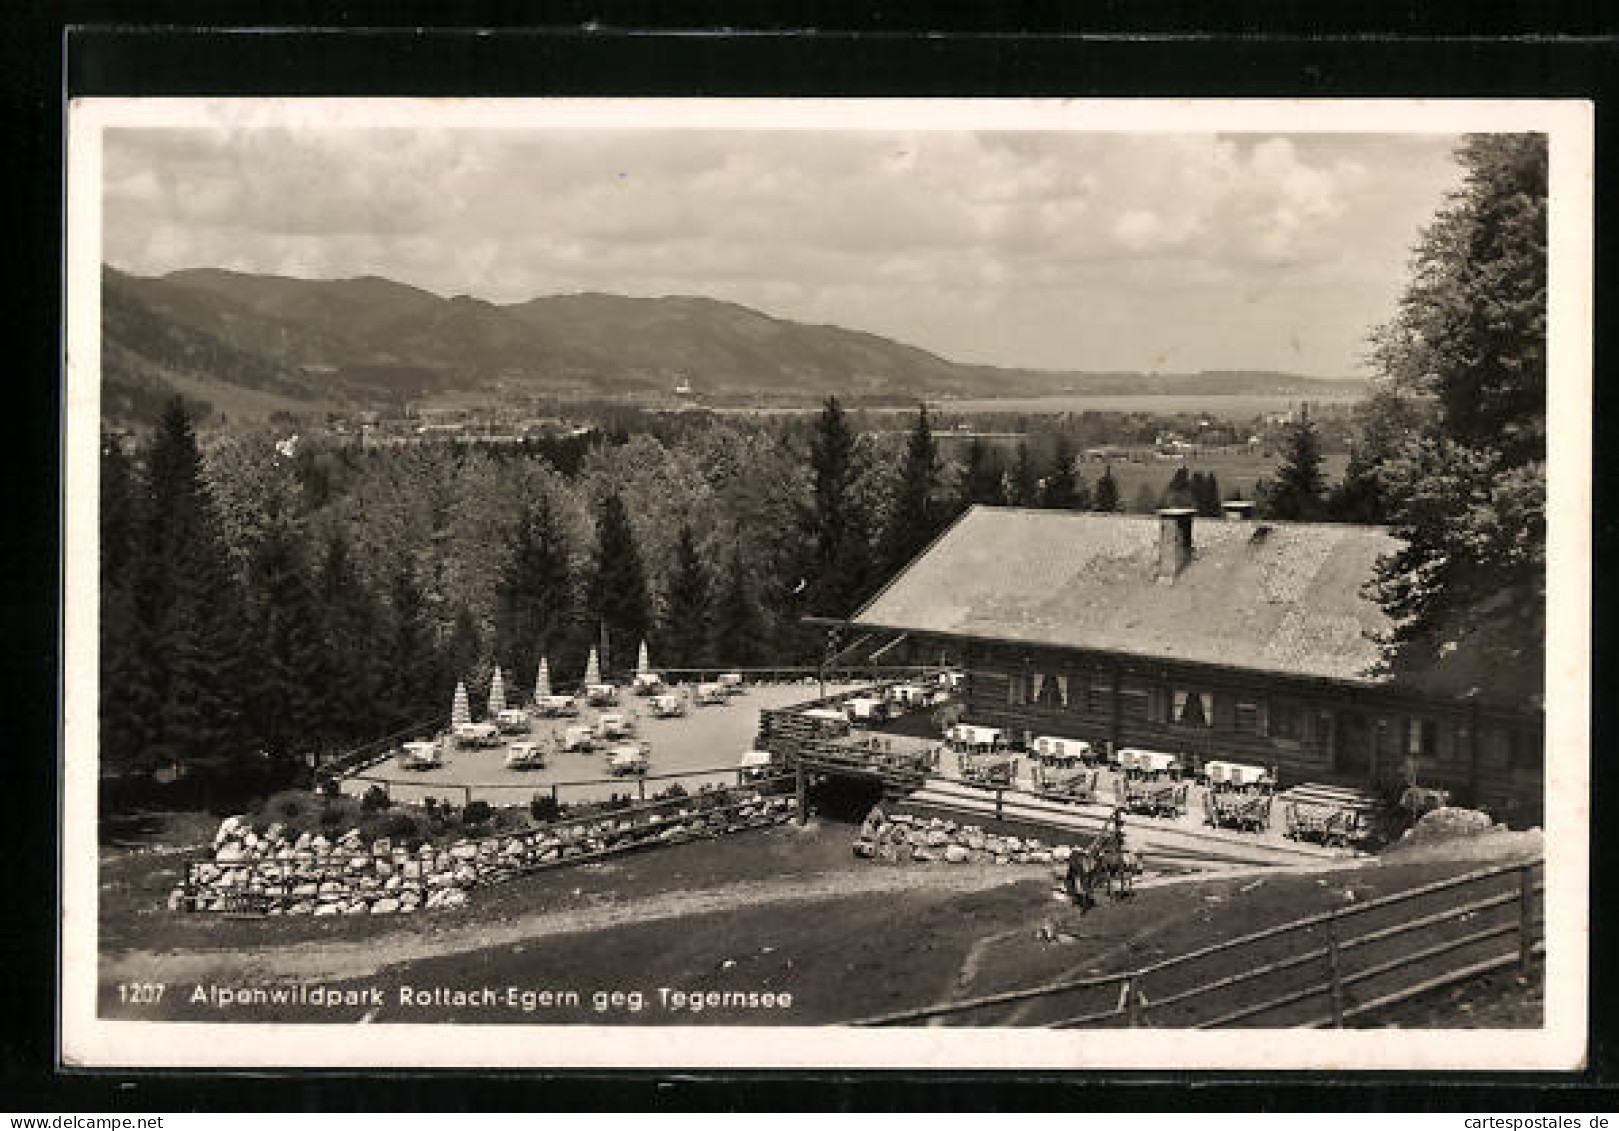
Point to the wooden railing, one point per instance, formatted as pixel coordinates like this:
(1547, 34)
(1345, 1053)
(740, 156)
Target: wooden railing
(1169, 994)
(636, 781)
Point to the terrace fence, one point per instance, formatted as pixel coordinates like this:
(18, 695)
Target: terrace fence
(1323, 970)
(715, 777)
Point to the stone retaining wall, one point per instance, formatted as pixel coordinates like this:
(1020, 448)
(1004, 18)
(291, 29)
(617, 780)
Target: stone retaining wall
(904, 838)
(271, 872)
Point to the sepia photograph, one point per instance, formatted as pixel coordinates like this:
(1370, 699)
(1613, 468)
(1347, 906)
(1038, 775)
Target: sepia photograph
(738, 583)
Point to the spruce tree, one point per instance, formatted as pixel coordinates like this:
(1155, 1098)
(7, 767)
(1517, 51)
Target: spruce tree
(412, 679)
(352, 622)
(1062, 487)
(1297, 493)
(126, 697)
(1178, 493)
(1107, 492)
(685, 634)
(839, 565)
(980, 477)
(1024, 480)
(534, 602)
(736, 618)
(187, 606)
(285, 684)
(618, 594)
(914, 519)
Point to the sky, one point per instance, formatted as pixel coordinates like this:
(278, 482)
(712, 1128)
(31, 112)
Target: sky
(1058, 249)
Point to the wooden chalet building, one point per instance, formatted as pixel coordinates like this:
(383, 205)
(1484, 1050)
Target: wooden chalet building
(1230, 638)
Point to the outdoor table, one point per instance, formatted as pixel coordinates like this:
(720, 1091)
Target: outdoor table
(1149, 761)
(1237, 774)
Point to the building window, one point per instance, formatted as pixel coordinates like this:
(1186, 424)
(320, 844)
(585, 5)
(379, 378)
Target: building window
(1421, 737)
(1194, 708)
(1284, 719)
(1246, 718)
(1134, 703)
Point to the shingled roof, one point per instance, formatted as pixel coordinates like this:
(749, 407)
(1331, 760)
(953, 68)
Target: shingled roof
(1270, 596)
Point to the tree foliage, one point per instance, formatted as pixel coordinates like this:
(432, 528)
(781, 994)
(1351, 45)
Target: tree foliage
(914, 516)
(618, 593)
(1462, 365)
(1107, 491)
(1298, 491)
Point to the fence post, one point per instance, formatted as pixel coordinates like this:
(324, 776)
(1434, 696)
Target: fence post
(555, 800)
(800, 789)
(1132, 1003)
(640, 788)
(1335, 973)
(999, 794)
(1525, 893)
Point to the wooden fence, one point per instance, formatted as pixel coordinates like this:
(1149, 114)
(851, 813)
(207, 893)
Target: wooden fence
(731, 774)
(1323, 970)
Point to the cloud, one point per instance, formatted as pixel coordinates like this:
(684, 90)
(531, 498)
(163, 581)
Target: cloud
(1071, 250)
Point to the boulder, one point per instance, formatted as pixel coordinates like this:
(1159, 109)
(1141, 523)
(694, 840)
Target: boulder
(864, 848)
(922, 855)
(305, 891)
(382, 846)
(956, 854)
(453, 898)
(1061, 852)
(385, 906)
(1041, 857)
(464, 850)
(937, 838)
(302, 907)
(1450, 821)
(328, 909)
(394, 883)
(303, 842)
(230, 853)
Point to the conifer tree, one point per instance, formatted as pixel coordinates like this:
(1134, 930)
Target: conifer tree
(1024, 480)
(412, 679)
(1107, 491)
(187, 607)
(534, 601)
(1064, 490)
(618, 593)
(286, 682)
(914, 519)
(736, 619)
(1179, 492)
(126, 695)
(685, 634)
(838, 542)
(981, 481)
(1297, 493)
(352, 622)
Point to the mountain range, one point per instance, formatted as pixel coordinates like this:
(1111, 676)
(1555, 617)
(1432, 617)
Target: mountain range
(257, 342)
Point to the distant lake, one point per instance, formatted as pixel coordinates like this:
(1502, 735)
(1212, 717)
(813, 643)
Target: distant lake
(1228, 406)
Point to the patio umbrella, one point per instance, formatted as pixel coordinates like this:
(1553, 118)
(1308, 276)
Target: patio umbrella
(592, 670)
(459, 711)
(542, 682)
(497, 694)
(643, 663)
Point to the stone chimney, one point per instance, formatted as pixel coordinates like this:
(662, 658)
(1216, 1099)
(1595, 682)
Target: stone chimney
(1174, 542)
(1237, 510)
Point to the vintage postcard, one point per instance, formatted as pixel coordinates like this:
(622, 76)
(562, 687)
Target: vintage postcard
(772, 583)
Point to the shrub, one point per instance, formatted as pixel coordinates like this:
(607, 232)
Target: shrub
(476, 813)
(332, 817)
(327, 786)
(287, 806)
(375, 800)
(544, 807)
(401, 828)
